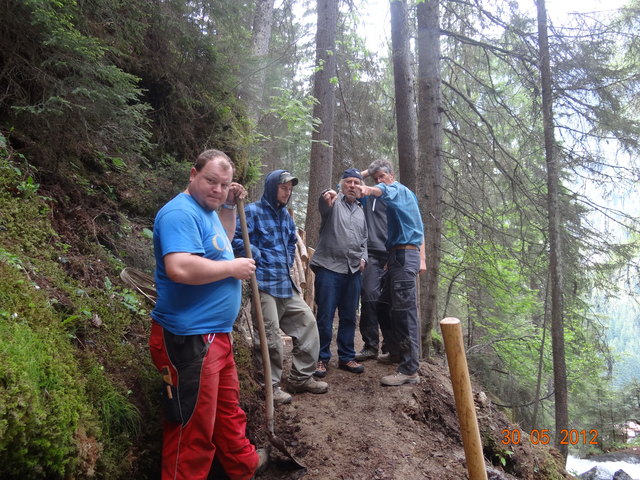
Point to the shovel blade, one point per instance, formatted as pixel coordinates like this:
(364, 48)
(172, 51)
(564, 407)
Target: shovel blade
(282, 448)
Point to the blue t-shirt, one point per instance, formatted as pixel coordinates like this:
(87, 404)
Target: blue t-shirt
(404, 224)
(182, 225)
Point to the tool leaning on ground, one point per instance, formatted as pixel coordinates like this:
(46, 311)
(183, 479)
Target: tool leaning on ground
(264, 348)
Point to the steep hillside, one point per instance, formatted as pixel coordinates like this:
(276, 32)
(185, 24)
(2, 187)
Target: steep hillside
(78, 387)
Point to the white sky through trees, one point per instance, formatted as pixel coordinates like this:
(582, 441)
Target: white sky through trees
(376, 17)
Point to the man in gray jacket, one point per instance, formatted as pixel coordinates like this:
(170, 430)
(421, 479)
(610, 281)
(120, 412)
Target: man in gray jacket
(340, 257)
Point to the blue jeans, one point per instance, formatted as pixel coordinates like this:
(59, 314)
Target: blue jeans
(398, 309)
(341, 291)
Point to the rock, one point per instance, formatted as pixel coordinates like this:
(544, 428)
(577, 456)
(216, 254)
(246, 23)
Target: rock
(595, 473)
(496, 474)
(481, 399)
(621, 475)
(622, 456)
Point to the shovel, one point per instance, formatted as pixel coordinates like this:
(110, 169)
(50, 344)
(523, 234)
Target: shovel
(264, 348)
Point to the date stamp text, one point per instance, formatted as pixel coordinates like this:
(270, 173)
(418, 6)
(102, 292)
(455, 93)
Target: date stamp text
(543, 437)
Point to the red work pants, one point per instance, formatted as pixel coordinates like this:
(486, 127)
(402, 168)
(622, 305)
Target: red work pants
(203, 418)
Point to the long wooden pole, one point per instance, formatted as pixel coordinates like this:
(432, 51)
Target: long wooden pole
(264, 349)
(459, 372)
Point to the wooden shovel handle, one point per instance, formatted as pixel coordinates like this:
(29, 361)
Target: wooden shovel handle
(257, 307)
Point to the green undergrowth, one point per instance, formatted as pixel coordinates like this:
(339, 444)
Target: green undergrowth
(43, 403)
(74, 371)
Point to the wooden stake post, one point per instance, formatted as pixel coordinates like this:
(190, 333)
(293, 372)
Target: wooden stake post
(465, 408)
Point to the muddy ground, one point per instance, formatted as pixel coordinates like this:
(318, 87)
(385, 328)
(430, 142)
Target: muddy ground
(361, 430)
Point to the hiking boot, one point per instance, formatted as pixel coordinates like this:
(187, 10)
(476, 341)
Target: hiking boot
(398, 378)
(388, 359)
(280, 397)
(321, 369)
(351, 366)
(366, 354)
(263, 460)
(309, 385)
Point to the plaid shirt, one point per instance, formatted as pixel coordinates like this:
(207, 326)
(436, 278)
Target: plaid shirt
(272, 234)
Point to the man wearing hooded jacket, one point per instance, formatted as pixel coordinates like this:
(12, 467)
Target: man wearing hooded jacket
(273, 238)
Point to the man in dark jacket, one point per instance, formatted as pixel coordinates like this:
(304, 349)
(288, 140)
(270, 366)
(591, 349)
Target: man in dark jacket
(273, 238)
(375, 213)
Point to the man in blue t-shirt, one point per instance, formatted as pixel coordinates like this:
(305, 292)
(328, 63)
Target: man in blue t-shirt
(405, 244)
(198, 282)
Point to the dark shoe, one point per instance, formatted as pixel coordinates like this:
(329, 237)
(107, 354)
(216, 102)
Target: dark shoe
(398, 379)
(388, 359)
(280, 397)
(309, 385)
(351, 366)
(321, 369)
(263, 460)
(366, 354)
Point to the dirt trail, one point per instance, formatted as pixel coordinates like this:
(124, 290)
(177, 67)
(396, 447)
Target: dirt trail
(361, 430)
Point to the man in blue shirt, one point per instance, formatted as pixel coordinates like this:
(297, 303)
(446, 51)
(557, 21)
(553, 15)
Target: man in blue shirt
(198, 282)
(405, 244)
(273, 238)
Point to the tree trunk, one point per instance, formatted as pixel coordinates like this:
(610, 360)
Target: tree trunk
(252, 90)
(253, 86)
(403, 78)
(555, 263)
(430, 159)
(321, 164)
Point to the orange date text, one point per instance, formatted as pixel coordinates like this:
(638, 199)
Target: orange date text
(543, 437)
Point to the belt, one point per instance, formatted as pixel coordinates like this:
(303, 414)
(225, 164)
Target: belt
(404, 247)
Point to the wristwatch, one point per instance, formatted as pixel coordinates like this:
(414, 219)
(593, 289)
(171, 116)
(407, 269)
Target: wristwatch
(228, 206)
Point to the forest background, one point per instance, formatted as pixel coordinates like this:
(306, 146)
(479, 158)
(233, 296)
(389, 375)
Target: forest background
(104, 105)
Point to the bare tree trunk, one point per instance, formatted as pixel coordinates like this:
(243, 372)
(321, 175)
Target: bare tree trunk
(252, 90)
(555, 263)
(253, 87)
(536, 405)
(321, 163)
(403, 78)
(430, 159)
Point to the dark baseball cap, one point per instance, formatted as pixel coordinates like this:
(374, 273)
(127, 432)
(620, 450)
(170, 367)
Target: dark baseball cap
(352, 173)
(287, 177)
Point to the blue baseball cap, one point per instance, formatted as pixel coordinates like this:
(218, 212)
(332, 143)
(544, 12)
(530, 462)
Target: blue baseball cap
(352, 173)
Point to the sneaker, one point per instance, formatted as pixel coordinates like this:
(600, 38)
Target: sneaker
(280, 397)
(321, 369)
(398, 378)
(351, 366)
(388, 359)
(309, 385)
(366, 354)
(263, 460)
